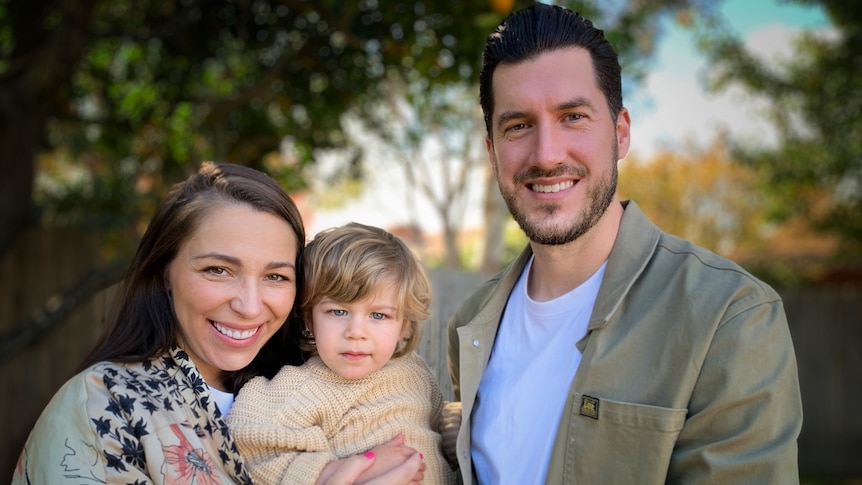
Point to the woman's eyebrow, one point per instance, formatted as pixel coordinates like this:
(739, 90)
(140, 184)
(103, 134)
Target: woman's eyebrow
(236, 261)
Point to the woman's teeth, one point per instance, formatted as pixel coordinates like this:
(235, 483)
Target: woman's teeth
(234, 334)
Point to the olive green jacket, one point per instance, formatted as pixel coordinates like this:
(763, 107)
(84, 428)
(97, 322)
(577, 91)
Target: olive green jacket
(688, 372)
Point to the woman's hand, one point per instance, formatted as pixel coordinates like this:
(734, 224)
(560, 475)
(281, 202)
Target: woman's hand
(389, 463)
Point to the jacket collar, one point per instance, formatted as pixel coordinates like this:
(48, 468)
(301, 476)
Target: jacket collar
(633, 248)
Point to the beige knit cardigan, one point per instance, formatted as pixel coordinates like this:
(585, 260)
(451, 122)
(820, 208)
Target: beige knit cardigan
(289, 428)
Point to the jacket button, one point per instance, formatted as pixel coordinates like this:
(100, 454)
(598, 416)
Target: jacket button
(475, 343)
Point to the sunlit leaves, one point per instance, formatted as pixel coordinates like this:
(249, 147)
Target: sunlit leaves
(699, 195)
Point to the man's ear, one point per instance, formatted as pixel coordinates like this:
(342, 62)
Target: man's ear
(624, 134)
(492, 155)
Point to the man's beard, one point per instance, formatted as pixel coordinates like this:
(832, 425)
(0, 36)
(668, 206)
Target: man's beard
(599, 198)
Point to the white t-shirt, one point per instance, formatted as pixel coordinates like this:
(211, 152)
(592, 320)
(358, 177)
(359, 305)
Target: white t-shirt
(524, 388)
(224, 400)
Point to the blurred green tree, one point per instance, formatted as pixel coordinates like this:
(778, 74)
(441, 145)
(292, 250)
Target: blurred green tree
(815, 103)
(103, 103)
(116, 99)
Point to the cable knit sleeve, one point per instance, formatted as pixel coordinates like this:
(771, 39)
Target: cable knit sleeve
(276, 432)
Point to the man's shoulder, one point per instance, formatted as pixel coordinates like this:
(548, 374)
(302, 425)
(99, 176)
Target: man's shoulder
(709, 269)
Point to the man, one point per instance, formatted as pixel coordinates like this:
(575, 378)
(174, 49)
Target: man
(609, 352)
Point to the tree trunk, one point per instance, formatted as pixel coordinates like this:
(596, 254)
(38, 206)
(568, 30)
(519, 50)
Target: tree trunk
(495, 218)
(450, 239)
(19, 137)
(33, 85)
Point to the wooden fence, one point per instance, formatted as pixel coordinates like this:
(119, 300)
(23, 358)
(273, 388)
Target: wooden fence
(34, 273)
(826, 325)
(42, 270)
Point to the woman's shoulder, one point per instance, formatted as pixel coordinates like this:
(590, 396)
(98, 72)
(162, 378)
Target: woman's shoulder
(95, 379)
(153, 375)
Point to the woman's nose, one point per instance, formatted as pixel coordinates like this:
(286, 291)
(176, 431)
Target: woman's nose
(248, 302)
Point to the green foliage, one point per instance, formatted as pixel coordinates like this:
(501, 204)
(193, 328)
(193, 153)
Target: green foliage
(165, 85)
(815, 100)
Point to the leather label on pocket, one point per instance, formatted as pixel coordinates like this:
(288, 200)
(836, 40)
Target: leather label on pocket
(590, 407)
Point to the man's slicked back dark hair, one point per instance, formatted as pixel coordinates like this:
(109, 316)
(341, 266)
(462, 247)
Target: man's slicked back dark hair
(541, 28)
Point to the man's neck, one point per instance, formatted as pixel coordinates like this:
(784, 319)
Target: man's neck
(559, 269)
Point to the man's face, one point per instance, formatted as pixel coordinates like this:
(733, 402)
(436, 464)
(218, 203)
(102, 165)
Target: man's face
(554, 145)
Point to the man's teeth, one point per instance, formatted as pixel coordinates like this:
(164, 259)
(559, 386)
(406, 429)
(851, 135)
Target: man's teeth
(234, 334)
(553, 188)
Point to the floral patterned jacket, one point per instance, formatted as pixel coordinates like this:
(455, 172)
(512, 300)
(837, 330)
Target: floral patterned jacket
(146, 422)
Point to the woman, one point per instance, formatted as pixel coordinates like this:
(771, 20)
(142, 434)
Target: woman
(201, 310)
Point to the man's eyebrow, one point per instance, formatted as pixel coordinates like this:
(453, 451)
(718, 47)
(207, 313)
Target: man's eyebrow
(508, 116)
(579, 102)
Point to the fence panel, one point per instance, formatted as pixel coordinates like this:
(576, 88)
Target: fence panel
(826, 325)
(38, 266)
(450, 288)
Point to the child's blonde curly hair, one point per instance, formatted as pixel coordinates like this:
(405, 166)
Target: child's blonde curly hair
(350, 262)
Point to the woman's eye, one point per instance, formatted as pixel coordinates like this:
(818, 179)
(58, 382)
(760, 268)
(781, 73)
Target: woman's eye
(216, 270)
(276, 277)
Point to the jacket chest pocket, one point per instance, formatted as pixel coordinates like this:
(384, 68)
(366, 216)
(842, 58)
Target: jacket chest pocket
(612, 442)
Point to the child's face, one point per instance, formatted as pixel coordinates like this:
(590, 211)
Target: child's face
(355, 339)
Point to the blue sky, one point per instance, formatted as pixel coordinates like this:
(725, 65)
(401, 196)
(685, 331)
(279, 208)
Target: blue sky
(672, 107)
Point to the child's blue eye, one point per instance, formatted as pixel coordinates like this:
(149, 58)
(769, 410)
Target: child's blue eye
(338, 313)
(378, 316)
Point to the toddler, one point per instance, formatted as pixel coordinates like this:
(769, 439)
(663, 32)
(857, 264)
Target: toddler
(363, 297)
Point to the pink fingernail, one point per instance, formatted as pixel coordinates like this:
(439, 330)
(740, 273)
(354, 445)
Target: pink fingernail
(369, 455)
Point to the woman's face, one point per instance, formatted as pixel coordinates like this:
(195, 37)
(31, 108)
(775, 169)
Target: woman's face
(232, 283)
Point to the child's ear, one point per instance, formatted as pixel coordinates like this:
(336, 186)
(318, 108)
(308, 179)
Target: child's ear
(407, 330)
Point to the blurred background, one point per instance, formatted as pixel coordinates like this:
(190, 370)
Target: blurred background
(747, 139)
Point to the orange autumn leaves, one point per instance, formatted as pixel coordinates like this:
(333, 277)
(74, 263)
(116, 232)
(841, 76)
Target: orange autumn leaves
(703, 195)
